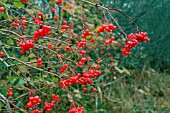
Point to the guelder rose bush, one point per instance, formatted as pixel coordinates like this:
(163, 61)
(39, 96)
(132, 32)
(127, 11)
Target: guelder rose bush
(53, 52)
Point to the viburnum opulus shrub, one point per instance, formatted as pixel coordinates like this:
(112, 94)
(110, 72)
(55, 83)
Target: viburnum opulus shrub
(60, 53)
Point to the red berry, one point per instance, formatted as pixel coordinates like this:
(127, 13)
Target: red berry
(83, 53)
(48, 110)
(84, 89)
(24, 18)
(56, 17)
(112, 27)
(30, 105)
(1, 9)
(14, 25)
(23, 0)
(18, 21)
(53, 9)
(50, 46)
(1, 54)
(31, 99)
(21, 52)
(83, 60)
(94, 90)
(59, 1)
(65, 22)
(39, 60)
(64, 27)
(39, 64)
(57, 98)
(10, 94)
(118, 44)
(10, 89)
(107, 42)
(52, 105)
(39, 14)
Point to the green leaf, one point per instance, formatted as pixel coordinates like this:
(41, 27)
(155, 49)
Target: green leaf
(88, 37)
(15, 81)
(19, 4)
(3, 91)
(10, 42)
(18, 103)
(5, 0)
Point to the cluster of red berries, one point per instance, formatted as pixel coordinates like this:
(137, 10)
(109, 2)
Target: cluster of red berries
(39, 62)
(76, 110)
(133, 42)
(86, 33)
(86, 77)
(110, 41)
(33, 101)
(59, 1)
(23, 25)
(1, 9)
(45, 31)
(17, 23)
(84, 81)
(10, 92)
(81, 44)
(55, 97)
(81, 62)
(48, 106)
(23, 0)
(2, 54)
(65, 27)
(36, 111)
(69, 82)
(92, 73)
(26, 46)
(65, 66)
(38, 20)
(108, 28)
(141, 37)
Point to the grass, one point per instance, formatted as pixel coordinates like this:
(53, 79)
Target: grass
(144, 92)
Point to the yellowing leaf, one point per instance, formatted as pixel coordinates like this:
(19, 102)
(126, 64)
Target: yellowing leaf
(124, 70)
(32, 55)
(24, 59)
(22, 68)
(76, 91)
(78, 96)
